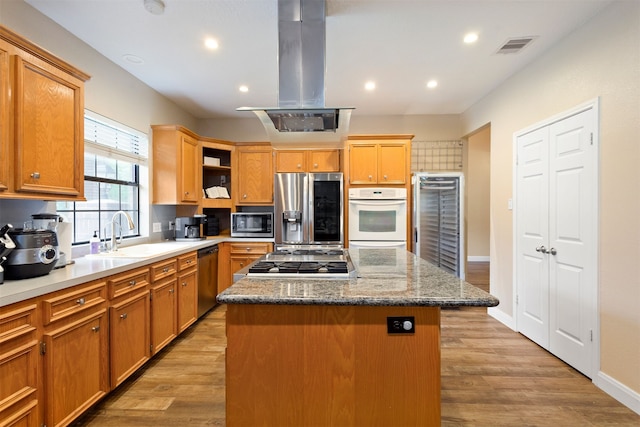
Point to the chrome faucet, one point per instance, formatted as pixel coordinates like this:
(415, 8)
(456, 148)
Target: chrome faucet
(114, 240)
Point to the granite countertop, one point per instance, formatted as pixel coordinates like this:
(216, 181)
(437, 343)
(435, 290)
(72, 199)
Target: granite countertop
(386, 277)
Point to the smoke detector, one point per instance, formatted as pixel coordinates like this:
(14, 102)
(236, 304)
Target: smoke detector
(155, 7)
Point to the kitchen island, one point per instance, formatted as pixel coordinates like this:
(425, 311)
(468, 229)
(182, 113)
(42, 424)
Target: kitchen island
(363, 351)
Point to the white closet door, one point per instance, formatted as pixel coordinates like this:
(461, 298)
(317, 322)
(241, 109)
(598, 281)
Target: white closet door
(556, 237)
(532, 231)
(572, 216)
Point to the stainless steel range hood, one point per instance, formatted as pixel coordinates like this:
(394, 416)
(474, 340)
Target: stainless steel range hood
(301, 119)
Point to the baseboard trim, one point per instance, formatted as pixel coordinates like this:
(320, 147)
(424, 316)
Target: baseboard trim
(502, 317)
(619, 391)
(478, 258)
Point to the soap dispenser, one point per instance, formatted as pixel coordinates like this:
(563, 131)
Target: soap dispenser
(94, 243)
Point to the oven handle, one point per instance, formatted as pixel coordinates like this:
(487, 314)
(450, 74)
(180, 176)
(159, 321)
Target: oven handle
(378, 202)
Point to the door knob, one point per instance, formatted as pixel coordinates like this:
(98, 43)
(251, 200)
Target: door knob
(552, 251)
(541, 249)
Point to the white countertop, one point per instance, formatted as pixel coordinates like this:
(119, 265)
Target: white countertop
(88, 268)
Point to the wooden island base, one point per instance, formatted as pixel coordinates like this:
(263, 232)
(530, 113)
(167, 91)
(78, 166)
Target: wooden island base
(327, 365)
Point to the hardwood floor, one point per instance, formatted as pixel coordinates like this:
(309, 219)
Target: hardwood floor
(491, 376)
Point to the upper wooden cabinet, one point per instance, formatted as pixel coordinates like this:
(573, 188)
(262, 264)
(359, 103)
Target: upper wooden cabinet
(41, 123)
(307, 160)
(254, 175)
(176, 166)
(379, 161)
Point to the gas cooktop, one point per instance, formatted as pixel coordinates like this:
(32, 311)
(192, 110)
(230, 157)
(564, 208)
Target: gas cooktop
(320, 263)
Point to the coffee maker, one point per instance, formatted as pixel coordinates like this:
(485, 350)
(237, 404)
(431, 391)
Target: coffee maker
(188, 228)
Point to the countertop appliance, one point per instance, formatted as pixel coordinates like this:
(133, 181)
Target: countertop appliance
(439, 221)
(207, 278)
(6, 246)
(308, 209)
(188, 228)
(35, 254)
(378, 217)
(311, 263)
(251, 224)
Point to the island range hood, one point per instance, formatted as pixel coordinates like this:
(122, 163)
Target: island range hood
(301, 119)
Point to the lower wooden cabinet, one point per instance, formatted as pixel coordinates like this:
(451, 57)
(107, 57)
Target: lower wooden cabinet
(129, 342)
(164, 323)
(75, 350)
(187, 290)
(19, 402)
(241, 254)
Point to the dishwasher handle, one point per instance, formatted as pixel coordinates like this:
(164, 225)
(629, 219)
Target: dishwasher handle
(207, 251)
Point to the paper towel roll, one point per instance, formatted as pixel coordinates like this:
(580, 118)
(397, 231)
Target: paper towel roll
(63, 231)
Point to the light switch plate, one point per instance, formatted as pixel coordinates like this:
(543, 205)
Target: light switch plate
(157, 227)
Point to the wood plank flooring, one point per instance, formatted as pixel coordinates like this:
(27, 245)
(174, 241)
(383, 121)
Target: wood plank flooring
(491, 376)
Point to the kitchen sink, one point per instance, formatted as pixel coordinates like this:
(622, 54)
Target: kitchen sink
(145, 250)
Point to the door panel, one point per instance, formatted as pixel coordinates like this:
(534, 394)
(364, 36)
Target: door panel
(571, 235)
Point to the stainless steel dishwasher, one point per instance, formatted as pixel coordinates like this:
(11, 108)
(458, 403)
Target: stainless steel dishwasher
(207, 278)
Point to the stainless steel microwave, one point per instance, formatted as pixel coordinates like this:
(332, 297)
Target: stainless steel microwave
(252, 224)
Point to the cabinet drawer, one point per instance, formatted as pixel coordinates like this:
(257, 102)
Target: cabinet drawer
(187, 261)
(18, 323)
(72, 302)
(250, 248)
(163, 269)
(130, 281)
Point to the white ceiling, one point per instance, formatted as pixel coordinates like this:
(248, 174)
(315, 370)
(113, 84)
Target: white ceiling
(400, 44)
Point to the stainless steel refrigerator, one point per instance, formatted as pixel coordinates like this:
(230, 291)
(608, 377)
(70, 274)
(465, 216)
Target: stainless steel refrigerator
(438, 220)
(308, 209)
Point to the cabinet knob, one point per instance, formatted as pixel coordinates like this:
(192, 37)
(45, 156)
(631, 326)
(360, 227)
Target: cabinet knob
(95, 328)
(315, 165)
(80, 301)
(186, 193)
(184, 284)
(123, 316)
(248, 249)
(132, 282)
(385, 177)
(171, 290)
(370, 177)
(35, 175)
(165, 270)
(244, 196)
(242, 264)
(299, 166)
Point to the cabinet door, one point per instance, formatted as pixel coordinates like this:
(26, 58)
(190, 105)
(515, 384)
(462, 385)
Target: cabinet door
(188, 178)
(5, 162)
(255, 173)
(76, 372)
(164, 323)
(129, 336)
(187, 299)
(392, 164)
(49, 139)
(324, 161)
(18, 365)
(290, 161)
(363, 164)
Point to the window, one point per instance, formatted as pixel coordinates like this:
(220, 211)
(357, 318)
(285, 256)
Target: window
(115, 160)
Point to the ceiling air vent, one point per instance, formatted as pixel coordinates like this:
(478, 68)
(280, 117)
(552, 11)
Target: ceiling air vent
(515, 45)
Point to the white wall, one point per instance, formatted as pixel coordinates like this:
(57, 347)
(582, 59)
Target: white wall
(477, 172)
(600, 59)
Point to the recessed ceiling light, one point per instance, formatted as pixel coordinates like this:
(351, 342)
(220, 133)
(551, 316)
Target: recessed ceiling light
(211, 43)
(370, 85)
(133, 59)
(471, 38)
(432, 83)
(154, 6)
(243, 88)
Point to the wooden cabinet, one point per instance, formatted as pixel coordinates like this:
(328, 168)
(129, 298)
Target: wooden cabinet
(216, 175)
(254, 175)
(19, 366)
(187, 290)
(241, 254)
(75, 352)
(164, 309)
(129, 318)
(307, 160)
(176, 166)
(41, 122)
(385, 161)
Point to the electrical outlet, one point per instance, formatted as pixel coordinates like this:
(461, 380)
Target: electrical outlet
(401, 325)
(157, 227)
